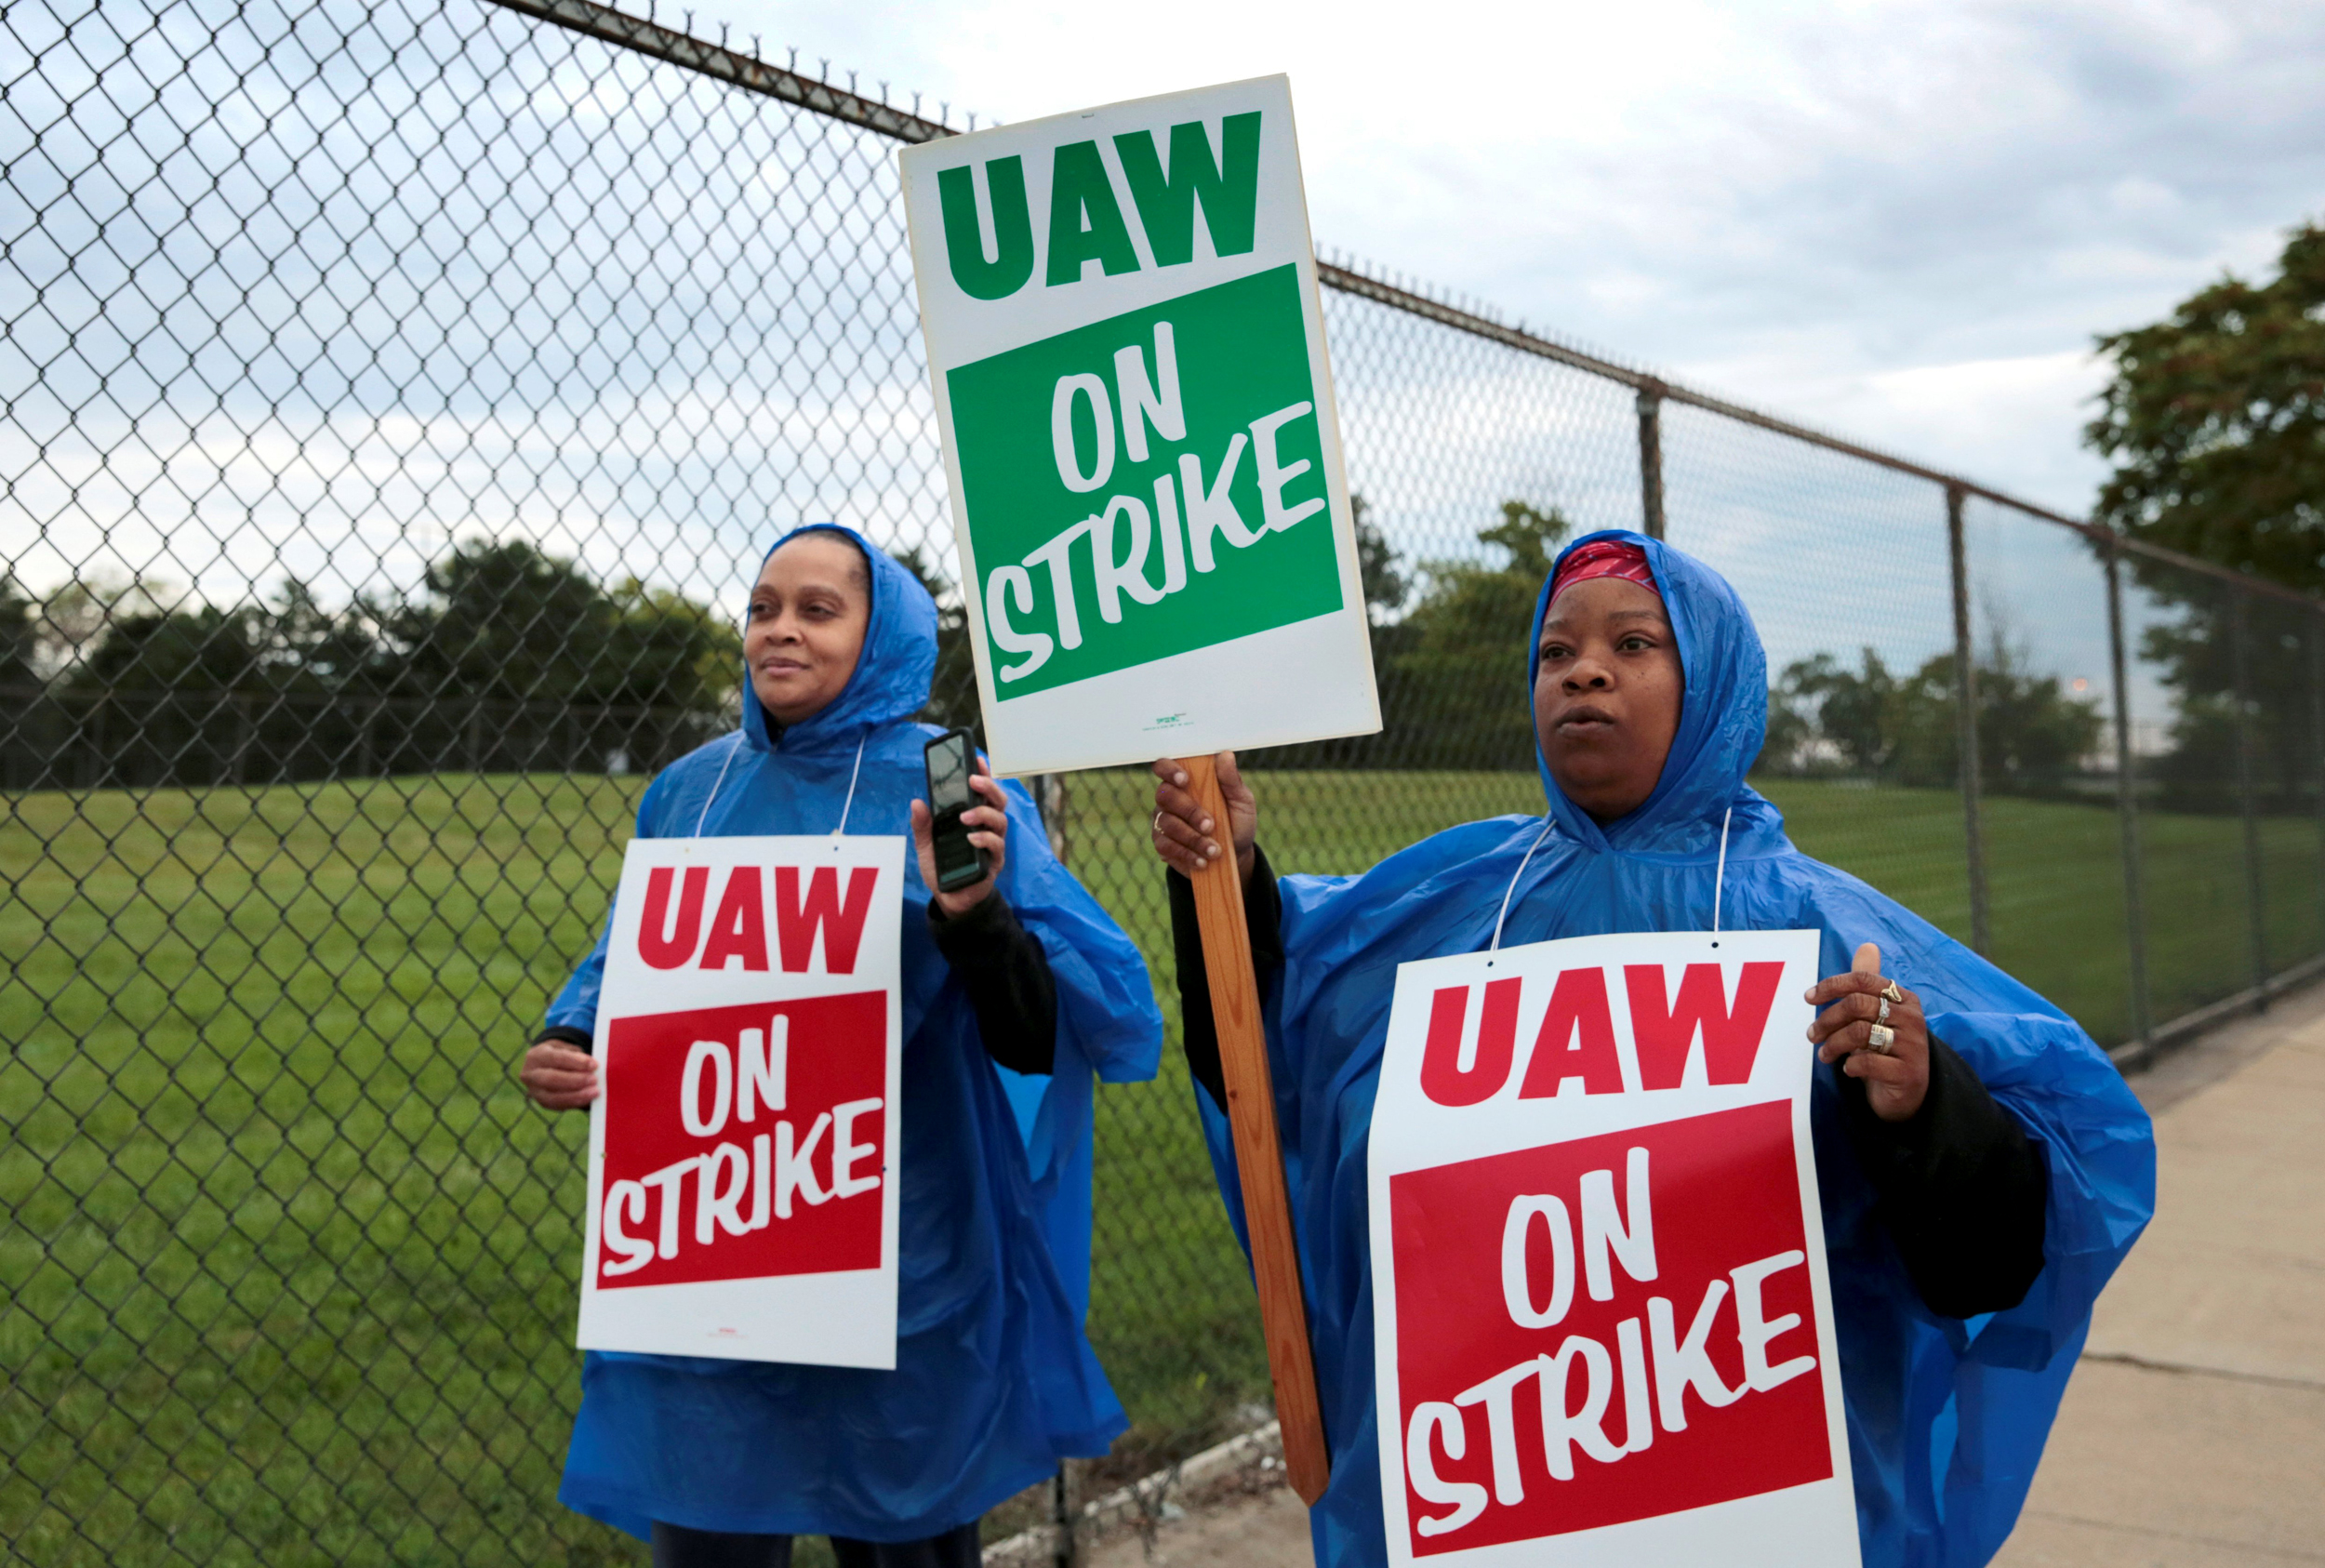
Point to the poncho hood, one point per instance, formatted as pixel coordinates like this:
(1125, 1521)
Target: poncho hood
(892, 677)
(1724, 715)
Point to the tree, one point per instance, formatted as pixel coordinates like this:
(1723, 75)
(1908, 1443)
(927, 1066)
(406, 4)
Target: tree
(509, 658)
(77, 615)
(1458, 696)
(2215, 420)
(22, 748)
(2197, 658)
(18, 609)
(504, 622)
(296, 644)
(507, 622)
(666, 650)
(331, 650)
(2032, 736)
(508, 635)
(173, 696)
(952, 692)
(1825, 718)
(1385, 588)
(202, 649)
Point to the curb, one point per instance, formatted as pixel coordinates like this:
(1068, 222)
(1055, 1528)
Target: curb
(1143, 1497)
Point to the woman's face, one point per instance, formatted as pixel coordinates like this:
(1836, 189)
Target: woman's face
(1606, 699)
(805, 630)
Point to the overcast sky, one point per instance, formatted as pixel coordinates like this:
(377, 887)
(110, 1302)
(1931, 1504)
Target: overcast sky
(1905, 221)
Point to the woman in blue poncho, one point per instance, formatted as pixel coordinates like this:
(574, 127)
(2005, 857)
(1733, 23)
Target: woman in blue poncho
(1982, 1166)
(1016, 989)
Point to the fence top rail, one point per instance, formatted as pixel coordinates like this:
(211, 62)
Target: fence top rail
(1350, 280)
(789, 85)
(747, 71)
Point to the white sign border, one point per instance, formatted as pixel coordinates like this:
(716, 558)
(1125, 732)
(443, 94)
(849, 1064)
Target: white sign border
(845, 1318)
(1200, 701)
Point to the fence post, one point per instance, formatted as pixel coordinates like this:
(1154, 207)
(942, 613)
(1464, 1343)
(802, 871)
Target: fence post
(2127, 809)
(1066, 1541)
(1966, 719)
(2317, 741)
(2241, 658)
(1049, 795)
(1650, 457)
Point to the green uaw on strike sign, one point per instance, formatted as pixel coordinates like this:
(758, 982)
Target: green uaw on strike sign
(1128, 353)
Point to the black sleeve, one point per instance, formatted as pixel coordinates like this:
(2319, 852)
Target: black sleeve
(566, 1034)
(1959, 1186)
(1263, 912)
(1006, 975)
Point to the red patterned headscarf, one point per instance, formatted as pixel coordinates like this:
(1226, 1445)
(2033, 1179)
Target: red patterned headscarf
(1603, 558)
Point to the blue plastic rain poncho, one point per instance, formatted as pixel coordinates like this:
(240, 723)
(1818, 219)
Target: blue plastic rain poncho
(995, 1381)
(1946, 1419)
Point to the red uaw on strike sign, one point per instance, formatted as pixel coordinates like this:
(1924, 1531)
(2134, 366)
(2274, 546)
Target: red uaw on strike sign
(743, 1157)
(1602, 1324)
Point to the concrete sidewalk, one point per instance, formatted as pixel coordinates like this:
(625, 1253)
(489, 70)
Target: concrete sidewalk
(2193, 1435)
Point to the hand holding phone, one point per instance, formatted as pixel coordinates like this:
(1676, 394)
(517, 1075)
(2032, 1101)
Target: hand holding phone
(961, 828)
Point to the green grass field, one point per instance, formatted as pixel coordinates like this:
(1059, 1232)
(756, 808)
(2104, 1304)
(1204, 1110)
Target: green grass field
(286, 1270)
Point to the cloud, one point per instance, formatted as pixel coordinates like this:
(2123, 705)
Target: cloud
(1796, 202)
(1902, 221)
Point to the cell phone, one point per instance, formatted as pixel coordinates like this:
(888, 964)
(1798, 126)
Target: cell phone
(951, 763)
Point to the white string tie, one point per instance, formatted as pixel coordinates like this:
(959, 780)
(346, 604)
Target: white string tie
(1496, 945)
(1720, 876)
(716, 782)
(854, 774)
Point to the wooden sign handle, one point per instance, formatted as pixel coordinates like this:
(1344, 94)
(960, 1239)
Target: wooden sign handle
(1251, 1112)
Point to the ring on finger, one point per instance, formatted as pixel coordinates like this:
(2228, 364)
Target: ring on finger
(1881, 1017)
(1158, 824)
(1881, 1041)
(1892, 992)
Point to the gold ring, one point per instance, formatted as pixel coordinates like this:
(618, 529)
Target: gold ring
(1892, 992)
(1881, 1041)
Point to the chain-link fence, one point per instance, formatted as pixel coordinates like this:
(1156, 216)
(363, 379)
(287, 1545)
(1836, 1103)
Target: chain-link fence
(397, 398)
